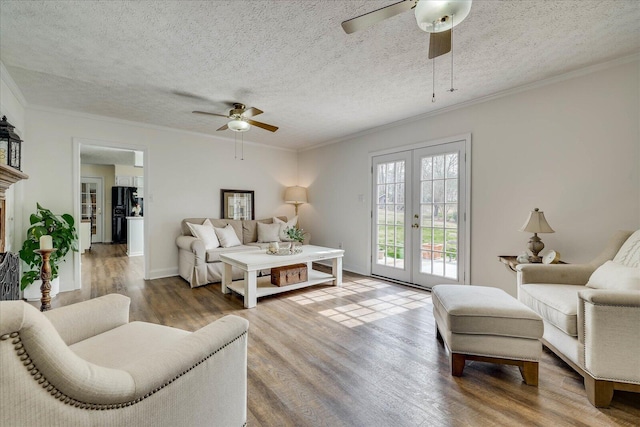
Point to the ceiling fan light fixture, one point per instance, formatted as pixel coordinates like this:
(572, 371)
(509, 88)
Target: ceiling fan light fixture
(433, 16)
(238, 125)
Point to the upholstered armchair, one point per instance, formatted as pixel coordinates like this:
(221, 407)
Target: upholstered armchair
(591, 315)
(86, 365)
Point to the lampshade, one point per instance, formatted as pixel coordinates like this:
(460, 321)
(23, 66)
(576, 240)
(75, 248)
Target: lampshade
(295, 195)
(238, 125)
(430, 14)
(536, 223)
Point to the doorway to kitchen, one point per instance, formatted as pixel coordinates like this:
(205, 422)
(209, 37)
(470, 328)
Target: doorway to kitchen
(118, 169)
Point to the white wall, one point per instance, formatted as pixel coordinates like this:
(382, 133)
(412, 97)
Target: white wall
(570, 148)
(185, 172)
(127, 170)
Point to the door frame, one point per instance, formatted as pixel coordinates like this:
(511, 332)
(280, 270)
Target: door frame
(466, 137)
(77, 143)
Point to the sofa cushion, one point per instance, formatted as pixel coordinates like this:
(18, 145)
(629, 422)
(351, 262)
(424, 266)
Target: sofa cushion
(213, 255)
(235, 223)
(284, 225)
(258, 245)
(629, 254)
(250, 229)
(268, 233)
(206, 233)
(557, 304)
(612, 275)
(227, 236)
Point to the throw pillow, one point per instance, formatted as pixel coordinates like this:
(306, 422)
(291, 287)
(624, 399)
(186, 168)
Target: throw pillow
(629, 253)
(284, 225)
(612, 275)
(268, 232)
(206, 233)
(227, 236)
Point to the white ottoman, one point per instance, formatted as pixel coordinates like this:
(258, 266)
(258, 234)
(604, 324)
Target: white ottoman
(488, 325)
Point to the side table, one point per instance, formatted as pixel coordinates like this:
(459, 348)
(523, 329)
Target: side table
(511, 261)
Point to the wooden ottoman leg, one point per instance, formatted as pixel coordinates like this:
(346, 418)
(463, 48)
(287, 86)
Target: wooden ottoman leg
(529, 371)
(457, 364)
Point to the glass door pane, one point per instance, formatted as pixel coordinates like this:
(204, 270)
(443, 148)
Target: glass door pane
(389, 212)
(438, 204)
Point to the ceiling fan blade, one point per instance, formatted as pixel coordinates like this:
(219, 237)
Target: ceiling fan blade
(262, 125)
(225, 127)
(252, 112)
(368, 19)
(439, 43)
(210, 114)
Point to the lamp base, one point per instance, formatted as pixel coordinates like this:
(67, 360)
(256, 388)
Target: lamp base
(535, 246)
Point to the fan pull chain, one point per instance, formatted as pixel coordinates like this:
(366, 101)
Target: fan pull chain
(242, 146)
(433, 75)
(235, 145)
(452, 89)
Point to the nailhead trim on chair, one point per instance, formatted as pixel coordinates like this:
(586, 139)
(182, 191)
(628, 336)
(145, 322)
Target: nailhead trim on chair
(39, 377)
(584, 345)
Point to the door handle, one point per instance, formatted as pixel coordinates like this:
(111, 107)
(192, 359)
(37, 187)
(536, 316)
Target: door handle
(415, 226)
(416, 216)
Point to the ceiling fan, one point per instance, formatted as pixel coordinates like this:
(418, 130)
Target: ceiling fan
(436, 17)
(240, 121)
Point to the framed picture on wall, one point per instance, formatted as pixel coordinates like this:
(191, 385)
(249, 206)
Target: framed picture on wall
(237, 204)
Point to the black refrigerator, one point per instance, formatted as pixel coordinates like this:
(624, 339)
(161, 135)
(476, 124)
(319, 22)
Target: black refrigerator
(123, 200)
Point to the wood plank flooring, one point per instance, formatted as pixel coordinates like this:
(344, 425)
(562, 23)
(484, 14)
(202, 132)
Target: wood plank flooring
(361, 355)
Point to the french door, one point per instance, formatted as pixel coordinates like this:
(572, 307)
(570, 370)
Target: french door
(419, 233)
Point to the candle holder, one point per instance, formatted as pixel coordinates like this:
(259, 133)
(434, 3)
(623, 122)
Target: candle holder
(45, 276)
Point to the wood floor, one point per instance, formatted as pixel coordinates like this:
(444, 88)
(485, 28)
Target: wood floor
(361, 355)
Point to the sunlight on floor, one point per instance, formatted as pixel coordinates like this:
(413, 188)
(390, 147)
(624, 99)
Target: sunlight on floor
(356, 314)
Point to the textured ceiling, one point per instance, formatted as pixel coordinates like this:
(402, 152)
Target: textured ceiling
(156, 61)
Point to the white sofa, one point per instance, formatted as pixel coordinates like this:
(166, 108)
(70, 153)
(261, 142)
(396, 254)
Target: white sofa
(199, 266)
(86, 365)
(591, 315)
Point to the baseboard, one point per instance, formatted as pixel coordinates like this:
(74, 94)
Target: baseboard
(162, 273)
(345, 267)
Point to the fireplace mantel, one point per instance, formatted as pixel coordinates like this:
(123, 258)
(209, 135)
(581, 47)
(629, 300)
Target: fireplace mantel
(8, 176)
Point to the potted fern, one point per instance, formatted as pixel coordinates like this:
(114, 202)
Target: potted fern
(65, 238)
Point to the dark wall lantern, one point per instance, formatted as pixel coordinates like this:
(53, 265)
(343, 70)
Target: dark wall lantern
(10, 145)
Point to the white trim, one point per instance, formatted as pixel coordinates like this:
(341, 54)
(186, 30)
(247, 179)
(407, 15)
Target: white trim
(149, 126)
(148, 206)
(15, 90)
(501, 94)
(421, 144)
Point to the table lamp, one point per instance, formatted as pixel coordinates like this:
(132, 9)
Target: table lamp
(536, 223)
(295, 195)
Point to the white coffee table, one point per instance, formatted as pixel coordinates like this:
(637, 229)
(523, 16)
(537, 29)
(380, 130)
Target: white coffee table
(252, 287)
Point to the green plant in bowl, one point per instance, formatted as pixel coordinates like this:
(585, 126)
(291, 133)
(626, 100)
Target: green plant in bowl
(295, 234)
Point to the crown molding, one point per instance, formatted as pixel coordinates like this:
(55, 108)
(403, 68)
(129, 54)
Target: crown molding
(114, 120)
(13, 87)
(529, 86)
